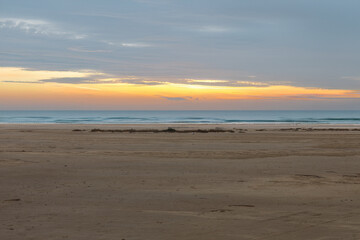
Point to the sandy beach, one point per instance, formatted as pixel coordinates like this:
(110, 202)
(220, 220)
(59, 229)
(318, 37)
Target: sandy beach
(276, 182)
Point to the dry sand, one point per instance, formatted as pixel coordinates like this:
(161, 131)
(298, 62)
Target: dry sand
(56, 183)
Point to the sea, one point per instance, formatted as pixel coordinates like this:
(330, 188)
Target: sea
(181, 117)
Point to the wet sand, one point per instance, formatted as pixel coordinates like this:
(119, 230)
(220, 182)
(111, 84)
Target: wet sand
(276, 182)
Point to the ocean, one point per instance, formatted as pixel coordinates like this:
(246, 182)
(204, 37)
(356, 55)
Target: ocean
(193, 117)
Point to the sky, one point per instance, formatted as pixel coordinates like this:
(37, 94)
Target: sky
(179, 54)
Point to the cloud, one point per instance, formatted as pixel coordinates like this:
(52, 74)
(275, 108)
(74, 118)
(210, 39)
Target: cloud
(184, 98)
(23, 75)
(128, 44)
(323, 97)
(233, 83)
(9, 81)
(206, 81)
(214, 29)
(47, 28)
(67, 80)
(251, 83)
(99, 79)
(351, 78)
(135, 45)
(74, 49)
(174, 98)
(140, 81)
(39, 27)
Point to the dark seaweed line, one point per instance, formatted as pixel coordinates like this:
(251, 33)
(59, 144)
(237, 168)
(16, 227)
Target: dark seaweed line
(168, 130)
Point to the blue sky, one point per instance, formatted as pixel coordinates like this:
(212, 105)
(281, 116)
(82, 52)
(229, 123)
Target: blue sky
(302, 43)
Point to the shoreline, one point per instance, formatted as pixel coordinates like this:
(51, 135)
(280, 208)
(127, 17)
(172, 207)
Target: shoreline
(272, 126)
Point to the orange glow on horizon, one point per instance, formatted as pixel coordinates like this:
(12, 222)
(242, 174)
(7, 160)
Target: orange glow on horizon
(21, 86)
